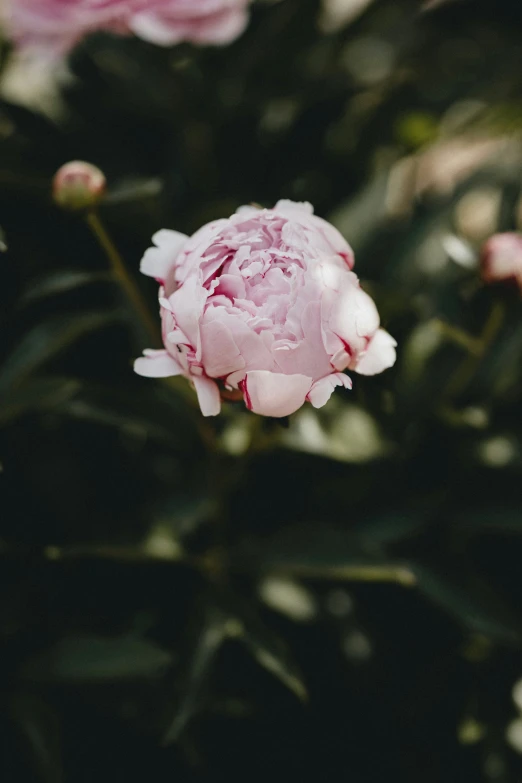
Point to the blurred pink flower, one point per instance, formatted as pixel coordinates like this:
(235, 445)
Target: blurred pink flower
(501, 258)
(264, 302)
(55, 26)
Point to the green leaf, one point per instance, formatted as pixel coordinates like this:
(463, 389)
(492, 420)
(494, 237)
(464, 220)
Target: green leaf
(145, 410)
(60, 282)
(467, 597)
(228, 616)
(501, 373)
(89, 658)
(382, 529)
(208, 636)
(148, 411)
(39, 725)
(269, 650)
(319, 551)
(48, 339)
(134, 189)
(39, 393)
(489, 520)
(358, 217)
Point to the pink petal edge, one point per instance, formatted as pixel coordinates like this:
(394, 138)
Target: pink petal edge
(274, 394)
(159, 260)
(379, 356)
(322, 390)
(156, 364)
(208, 395)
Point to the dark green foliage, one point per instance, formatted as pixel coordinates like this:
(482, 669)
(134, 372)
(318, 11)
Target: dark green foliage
(341, 606)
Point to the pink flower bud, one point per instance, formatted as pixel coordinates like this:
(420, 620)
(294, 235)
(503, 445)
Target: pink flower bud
(501, 258)
(263, 305)
(78, 185)
(55, 26)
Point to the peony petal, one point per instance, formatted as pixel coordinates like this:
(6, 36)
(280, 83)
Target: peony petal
(158, 261)
(349, 314)
(187, 303)
(156, 364)
(232, 286)
(251, 346)
(220, 28)
(322, 390)
(169, 239)
(208, 395)
(306, 356)
(215, 27)
(287, 207)
(220, 354)
(177, 337)
(379, 355)
(274, 394)
(366, 316)
(151, 27)
(248, 210)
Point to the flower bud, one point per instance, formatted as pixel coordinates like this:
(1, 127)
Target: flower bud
(78, 185)
(501, 258)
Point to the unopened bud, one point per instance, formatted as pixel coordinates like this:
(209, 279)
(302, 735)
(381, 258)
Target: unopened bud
(78, 185)
(501, 258)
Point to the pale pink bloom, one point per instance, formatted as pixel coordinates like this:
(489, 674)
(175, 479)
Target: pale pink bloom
(56, 26)
(264, 302)
(501, 258)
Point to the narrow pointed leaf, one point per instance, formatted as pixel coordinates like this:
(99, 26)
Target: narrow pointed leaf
(269, 650)
(88, 658)
(208, 636)
(60, 282)
(45, 341)
(315, 550)
(36, 394)
(38, 724)
(467, 597)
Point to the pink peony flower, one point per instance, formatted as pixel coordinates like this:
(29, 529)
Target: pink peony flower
(56, 25)
(264, 303)
(501, 258)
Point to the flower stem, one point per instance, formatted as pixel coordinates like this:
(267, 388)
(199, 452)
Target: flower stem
(458, 336)
(468, 368)
(133, 294)
(121, 274)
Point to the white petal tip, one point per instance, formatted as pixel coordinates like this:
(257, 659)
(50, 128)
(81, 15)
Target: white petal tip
(379, 356)
(322, 390)
(156, 364)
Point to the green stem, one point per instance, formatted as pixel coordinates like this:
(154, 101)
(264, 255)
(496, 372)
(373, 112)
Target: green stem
(469, 367)
(460, 337)
(213, 563)
(121, 274)
(151, 325)
(393, 574)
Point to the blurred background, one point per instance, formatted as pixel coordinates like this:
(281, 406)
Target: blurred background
(343, 601)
